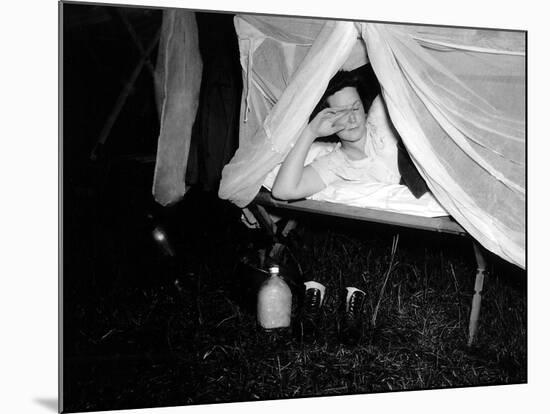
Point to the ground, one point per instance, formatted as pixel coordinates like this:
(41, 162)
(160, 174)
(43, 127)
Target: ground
(144, 329)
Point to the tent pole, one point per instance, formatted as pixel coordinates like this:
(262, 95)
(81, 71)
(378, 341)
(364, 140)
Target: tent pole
(478, 288)
(122, 98)
(137, 42)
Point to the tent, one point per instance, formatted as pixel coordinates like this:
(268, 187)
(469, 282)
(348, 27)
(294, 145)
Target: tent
(456, 97)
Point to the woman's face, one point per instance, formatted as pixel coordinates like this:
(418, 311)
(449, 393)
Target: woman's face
(353, 114)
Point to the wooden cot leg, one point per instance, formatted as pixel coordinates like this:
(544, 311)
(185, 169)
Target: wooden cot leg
(478, 288)
(264, 218)
(278, 248)
(289, 226)
(270, 227)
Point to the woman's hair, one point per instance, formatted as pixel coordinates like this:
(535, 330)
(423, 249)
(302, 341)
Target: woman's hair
(363, 79)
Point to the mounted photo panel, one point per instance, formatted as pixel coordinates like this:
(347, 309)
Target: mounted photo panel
(263, 207)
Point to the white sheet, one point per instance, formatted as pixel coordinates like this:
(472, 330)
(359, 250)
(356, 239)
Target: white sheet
(388, 197)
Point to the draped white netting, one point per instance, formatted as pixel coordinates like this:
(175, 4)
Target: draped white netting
(178, 81)
(456, 97)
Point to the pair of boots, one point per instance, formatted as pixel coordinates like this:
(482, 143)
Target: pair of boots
(351, 323)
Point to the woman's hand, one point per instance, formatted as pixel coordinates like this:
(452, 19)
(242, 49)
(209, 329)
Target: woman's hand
(324, 123)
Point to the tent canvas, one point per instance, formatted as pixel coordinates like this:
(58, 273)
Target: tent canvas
(456, 96)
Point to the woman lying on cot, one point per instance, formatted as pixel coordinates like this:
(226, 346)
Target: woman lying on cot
(365, 155)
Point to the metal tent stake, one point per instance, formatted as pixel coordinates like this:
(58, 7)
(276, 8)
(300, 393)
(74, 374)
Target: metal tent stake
(478, 288)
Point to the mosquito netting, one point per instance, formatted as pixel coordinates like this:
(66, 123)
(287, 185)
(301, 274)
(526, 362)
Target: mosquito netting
(456, 97)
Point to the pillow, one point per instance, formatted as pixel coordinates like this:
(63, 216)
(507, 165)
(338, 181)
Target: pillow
(380, 130)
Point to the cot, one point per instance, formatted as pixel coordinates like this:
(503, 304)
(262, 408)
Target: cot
(264, 202)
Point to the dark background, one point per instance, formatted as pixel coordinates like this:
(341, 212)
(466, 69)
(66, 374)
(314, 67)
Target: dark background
(109, 255)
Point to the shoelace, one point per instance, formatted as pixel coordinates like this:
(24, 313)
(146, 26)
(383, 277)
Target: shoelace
(354, 306)
(312, 301)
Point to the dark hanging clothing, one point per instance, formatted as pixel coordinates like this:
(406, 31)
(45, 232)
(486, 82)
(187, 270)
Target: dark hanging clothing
(409, 174)
(215, 135)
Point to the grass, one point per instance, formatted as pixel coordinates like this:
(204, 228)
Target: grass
(144, 330)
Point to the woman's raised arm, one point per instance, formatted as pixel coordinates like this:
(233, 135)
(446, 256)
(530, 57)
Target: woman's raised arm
(294, 181)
